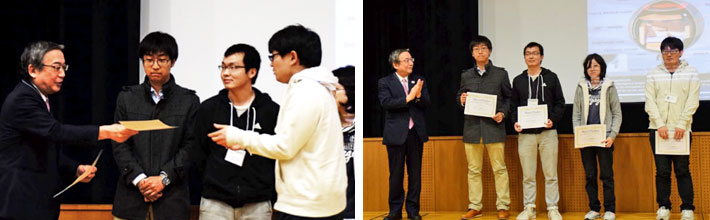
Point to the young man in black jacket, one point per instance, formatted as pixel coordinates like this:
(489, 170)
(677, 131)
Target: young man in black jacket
(154, 165)
(236, 184)
(538, 86)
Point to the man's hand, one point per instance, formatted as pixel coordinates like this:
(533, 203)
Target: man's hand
(608, 142)
(86, 168)
(418, 87)
(116, 132)
(463, 98)
(517, 127)
(679, 133)
(663, 132)
(151, 188)
(548, 123)
(220, 137)
(498, 117)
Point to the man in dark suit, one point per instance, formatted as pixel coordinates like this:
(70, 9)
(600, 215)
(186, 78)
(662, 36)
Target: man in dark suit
(31, 161)
(404, 98)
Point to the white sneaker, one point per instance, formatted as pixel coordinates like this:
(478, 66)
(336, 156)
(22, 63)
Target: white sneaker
(687, 215)
(663, 213)
(553, 213)
(527, 213)
(591, 215)
(609, 216)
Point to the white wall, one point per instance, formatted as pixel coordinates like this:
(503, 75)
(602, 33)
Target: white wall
(205, 29)
(559, 25)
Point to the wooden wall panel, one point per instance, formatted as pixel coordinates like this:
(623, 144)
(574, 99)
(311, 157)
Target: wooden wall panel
(634, 174)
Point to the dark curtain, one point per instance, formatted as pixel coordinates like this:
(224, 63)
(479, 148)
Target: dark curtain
(437, 34)
(101, 39)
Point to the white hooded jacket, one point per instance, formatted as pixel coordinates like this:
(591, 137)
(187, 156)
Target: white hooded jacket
(308, 147)
(671, 100)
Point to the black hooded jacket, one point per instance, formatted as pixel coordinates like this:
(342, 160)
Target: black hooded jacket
(222, 180)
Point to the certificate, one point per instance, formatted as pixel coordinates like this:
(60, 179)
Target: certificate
(146, 125)
(532, 116)
(480, 104)
(589, 136)
(671, 146)
(81, 177)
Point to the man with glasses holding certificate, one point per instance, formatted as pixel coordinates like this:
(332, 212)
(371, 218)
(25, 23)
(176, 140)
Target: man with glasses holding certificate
(537, 91)
(489, 88)
(672, 93)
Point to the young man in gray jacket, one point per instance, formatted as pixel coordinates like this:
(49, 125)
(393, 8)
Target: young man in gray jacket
(485, 132)
(153, 165)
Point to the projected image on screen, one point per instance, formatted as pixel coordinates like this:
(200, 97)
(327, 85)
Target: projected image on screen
(628, 35)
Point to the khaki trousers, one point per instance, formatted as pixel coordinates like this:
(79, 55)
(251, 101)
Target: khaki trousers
(474, 156)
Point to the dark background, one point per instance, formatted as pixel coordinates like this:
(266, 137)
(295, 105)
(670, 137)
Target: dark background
(437, 34)
(101, 39)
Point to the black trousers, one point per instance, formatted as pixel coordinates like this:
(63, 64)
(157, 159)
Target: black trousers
(681, 166)
(605, 156)
(411, 154)
(286, 216)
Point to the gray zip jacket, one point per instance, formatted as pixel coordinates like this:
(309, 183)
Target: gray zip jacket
(609, 107)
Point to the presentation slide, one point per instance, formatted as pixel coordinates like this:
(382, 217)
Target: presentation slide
(628, 35)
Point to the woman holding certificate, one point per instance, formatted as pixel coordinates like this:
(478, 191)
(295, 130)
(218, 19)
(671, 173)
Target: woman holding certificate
(596, 117)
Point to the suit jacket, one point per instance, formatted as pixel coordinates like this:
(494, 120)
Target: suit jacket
(398, 111)
(150, 152)
(30, 156)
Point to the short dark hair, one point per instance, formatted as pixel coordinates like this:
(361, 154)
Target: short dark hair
(672, 42)
(588, 62)
(346, 77)
(251, 57)
(157, 42)
(479, 39)
(302, 40)
(534, 44)
(34, 54)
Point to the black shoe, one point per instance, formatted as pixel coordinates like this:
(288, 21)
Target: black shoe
(415, 217)
(392, 217)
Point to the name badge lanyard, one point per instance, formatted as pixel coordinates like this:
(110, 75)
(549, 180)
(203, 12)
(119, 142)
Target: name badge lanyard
(542, 81)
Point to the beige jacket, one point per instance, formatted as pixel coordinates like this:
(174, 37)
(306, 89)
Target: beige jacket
(671, 100)
(308, 147)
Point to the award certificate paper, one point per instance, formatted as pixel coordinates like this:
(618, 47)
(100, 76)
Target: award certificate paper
(480, 104)
(533, 116)
(589, 136)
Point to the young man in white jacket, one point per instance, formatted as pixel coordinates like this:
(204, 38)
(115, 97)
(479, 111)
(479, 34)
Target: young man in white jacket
(308, 144)
(672, 93)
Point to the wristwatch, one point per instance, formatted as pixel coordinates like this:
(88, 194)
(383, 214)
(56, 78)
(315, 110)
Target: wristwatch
(165, 179)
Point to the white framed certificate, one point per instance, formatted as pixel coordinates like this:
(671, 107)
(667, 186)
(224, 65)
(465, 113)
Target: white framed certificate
(671, 146)
(480, 104)
(532, 116)
(589, 136)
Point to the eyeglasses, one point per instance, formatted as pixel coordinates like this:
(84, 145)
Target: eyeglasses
(532, 54)
(230, 68)
(670, 52)
(407, 60)
(480, 50)
(271, 56)
(161, 62)
(57, 67)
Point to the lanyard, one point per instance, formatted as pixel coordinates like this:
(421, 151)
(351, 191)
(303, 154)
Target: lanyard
(537, 86)
(246, 124)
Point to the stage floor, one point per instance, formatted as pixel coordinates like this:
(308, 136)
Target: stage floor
(540, 216)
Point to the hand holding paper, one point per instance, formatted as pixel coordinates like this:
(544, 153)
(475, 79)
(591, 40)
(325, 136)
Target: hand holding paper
(116, 132)
(84, 169)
